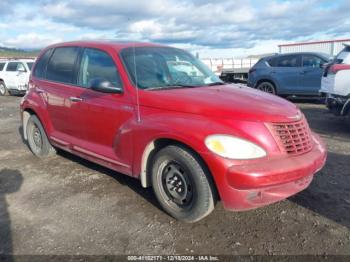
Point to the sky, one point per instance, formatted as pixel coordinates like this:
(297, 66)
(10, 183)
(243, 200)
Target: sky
(221, 28)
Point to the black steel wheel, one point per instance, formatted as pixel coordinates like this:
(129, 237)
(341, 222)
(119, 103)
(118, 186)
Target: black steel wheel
(37, 139)
(182, 184)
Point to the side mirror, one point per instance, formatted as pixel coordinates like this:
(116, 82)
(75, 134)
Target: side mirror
(104, 86)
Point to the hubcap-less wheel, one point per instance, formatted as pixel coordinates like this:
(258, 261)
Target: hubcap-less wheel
(176, 185)
(37, 139)
(267, 87)
(182, 184)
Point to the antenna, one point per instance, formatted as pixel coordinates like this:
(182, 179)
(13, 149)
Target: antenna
(137, 88)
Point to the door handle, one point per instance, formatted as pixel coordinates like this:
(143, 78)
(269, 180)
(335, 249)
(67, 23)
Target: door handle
(75, 99)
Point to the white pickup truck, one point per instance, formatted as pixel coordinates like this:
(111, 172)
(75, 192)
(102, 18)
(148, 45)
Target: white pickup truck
(335, 85)
(14, 75)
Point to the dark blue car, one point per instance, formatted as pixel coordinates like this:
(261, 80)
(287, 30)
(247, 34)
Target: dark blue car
(289, 74)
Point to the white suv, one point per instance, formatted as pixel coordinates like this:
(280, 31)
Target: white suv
(14, 75)
(335, 85)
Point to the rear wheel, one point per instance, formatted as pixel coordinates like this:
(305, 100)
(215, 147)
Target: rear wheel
(182, 184)
(267, 87)
(3, 89)
(37, 139)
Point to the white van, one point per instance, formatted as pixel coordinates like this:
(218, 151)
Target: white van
(335, 84)
(14, 75)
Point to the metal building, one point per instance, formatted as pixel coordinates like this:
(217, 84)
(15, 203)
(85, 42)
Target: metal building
(331, 47)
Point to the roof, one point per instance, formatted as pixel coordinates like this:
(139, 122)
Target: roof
(316, 42)
(105, 43)
(300, 53)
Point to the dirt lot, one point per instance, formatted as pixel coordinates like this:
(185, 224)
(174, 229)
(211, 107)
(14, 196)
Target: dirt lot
(66, 205)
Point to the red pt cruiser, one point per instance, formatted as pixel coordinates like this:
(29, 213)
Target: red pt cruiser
(158, 114)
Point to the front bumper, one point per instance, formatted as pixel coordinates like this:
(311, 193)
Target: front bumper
(263, 182)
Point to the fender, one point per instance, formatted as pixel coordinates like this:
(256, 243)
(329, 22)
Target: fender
(37, 105)
(155, 128)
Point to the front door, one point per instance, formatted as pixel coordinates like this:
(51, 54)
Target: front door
(106, 116)
(16, 74)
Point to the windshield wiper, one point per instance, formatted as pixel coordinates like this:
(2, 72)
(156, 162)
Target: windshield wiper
(216, 84)
(170, 87)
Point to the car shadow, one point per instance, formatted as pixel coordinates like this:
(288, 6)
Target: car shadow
(21, 134)
(306, 100)
(131, 182)
(10, 182)
(329, 193)
(327, 124)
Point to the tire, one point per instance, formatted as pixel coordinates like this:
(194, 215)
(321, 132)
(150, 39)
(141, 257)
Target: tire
(182, 184)
(37, 140)
(267, 87)
(3, 89)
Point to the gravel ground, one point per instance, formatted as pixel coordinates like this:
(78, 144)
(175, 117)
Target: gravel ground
(66, 205)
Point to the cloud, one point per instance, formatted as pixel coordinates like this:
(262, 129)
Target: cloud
(30, 40)
(202, 24)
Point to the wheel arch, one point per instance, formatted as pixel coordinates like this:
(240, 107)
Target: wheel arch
(157, 144)
(27, 112)
(265, 79)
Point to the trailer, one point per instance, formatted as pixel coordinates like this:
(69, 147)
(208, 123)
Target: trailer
(231, 69)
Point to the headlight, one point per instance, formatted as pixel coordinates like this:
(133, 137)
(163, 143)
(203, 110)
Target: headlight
(233, 147)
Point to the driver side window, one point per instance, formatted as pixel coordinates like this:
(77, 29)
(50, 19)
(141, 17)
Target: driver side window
(97, 64)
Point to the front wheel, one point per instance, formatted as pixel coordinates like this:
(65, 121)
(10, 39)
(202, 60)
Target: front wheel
(3, 89)
(37, 139)
(182, 184)
(267, 87)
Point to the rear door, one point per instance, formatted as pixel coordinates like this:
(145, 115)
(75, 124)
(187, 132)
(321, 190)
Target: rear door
(62, 96)
(311, 74)
(286, 74)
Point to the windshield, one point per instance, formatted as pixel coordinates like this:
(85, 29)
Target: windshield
(166, 67)
(30, 65)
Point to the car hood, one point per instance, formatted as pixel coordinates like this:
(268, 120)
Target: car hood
(224, 101)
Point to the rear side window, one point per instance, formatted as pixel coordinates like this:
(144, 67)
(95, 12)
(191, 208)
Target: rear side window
(62, 64)
(2, 66)
(288, 61)
(272, 61)
(40, 67)
(97, 64)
